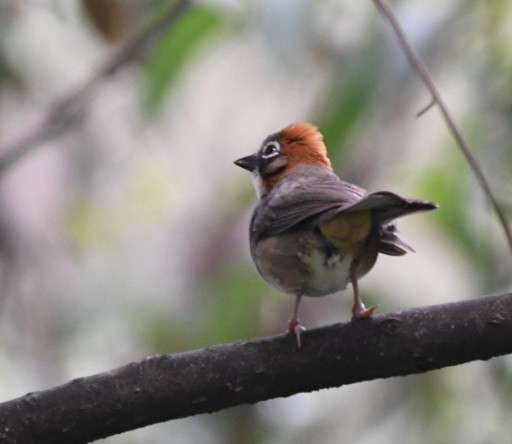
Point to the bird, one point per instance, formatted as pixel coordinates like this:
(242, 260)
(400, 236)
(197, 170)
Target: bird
(311, 233)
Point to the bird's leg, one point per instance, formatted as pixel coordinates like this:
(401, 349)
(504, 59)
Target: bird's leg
(359, 311)
(294, 325)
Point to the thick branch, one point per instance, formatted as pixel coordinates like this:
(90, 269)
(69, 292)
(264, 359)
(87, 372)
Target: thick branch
(165, 387)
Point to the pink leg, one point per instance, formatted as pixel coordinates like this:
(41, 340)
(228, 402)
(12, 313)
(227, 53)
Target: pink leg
(359, 311)
(294, 325)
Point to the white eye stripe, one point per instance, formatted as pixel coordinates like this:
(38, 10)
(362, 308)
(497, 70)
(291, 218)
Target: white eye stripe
(271, 149)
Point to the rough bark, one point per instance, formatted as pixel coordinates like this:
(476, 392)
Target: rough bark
(165, 387)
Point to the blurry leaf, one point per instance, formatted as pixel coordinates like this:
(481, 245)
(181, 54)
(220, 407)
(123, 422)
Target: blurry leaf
(160, 332)
(178, 44)
(91, 224)
(447, 186)
(235, 306)
(102, 225)
(437, 402)
(232, 311)
(350, 98)
(149, 193)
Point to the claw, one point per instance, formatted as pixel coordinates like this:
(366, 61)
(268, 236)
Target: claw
(296, 328)
(359, 311)
(294, 325)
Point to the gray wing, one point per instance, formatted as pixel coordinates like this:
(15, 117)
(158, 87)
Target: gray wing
(308, 191)
(386, 206)
(314, 191)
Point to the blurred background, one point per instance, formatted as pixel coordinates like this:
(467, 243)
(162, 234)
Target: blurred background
(124, 232)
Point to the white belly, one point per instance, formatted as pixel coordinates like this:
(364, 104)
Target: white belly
(327, 274)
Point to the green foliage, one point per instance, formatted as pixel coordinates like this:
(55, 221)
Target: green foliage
(229, 311)
(451, 193)
(175, 49)
(235, 305)
(161, 332)
(349, 99)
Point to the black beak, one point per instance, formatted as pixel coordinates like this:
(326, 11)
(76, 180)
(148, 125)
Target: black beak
(248, 163)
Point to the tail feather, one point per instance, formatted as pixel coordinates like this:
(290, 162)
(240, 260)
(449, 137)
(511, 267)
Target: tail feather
(386, 206)
(389, 243)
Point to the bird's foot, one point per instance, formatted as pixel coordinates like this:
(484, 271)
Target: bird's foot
(296, 328)
(359, 311)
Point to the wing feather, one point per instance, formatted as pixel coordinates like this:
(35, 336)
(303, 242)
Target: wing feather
(310, 191)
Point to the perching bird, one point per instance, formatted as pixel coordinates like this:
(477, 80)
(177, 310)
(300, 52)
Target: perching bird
(312, 233)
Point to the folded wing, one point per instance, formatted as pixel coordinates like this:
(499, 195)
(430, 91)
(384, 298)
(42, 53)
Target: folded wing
(315, 191)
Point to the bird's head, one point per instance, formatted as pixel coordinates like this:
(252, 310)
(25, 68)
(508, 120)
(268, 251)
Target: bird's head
(297, 144)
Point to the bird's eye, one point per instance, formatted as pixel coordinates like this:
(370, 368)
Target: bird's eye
(271, 149)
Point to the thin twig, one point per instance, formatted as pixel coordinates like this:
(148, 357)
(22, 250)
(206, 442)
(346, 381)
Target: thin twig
(426, 108)
(57, 118)
(419, 67)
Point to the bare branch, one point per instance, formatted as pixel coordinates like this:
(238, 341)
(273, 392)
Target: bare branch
(421, 70)
(166, 387)
(57, 118)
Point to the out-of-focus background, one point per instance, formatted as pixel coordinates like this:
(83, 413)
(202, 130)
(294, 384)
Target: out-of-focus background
(126, 234)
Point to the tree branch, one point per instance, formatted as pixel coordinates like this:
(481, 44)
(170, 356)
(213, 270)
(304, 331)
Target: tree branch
(57, 117)
(426, 78)
(166, 387)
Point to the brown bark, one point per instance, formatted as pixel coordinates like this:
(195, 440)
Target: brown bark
(166, 387)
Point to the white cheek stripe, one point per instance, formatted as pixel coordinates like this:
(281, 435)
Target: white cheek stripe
(258, 185)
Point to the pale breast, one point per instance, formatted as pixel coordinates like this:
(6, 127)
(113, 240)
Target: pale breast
(329, 272)
(301, 262)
